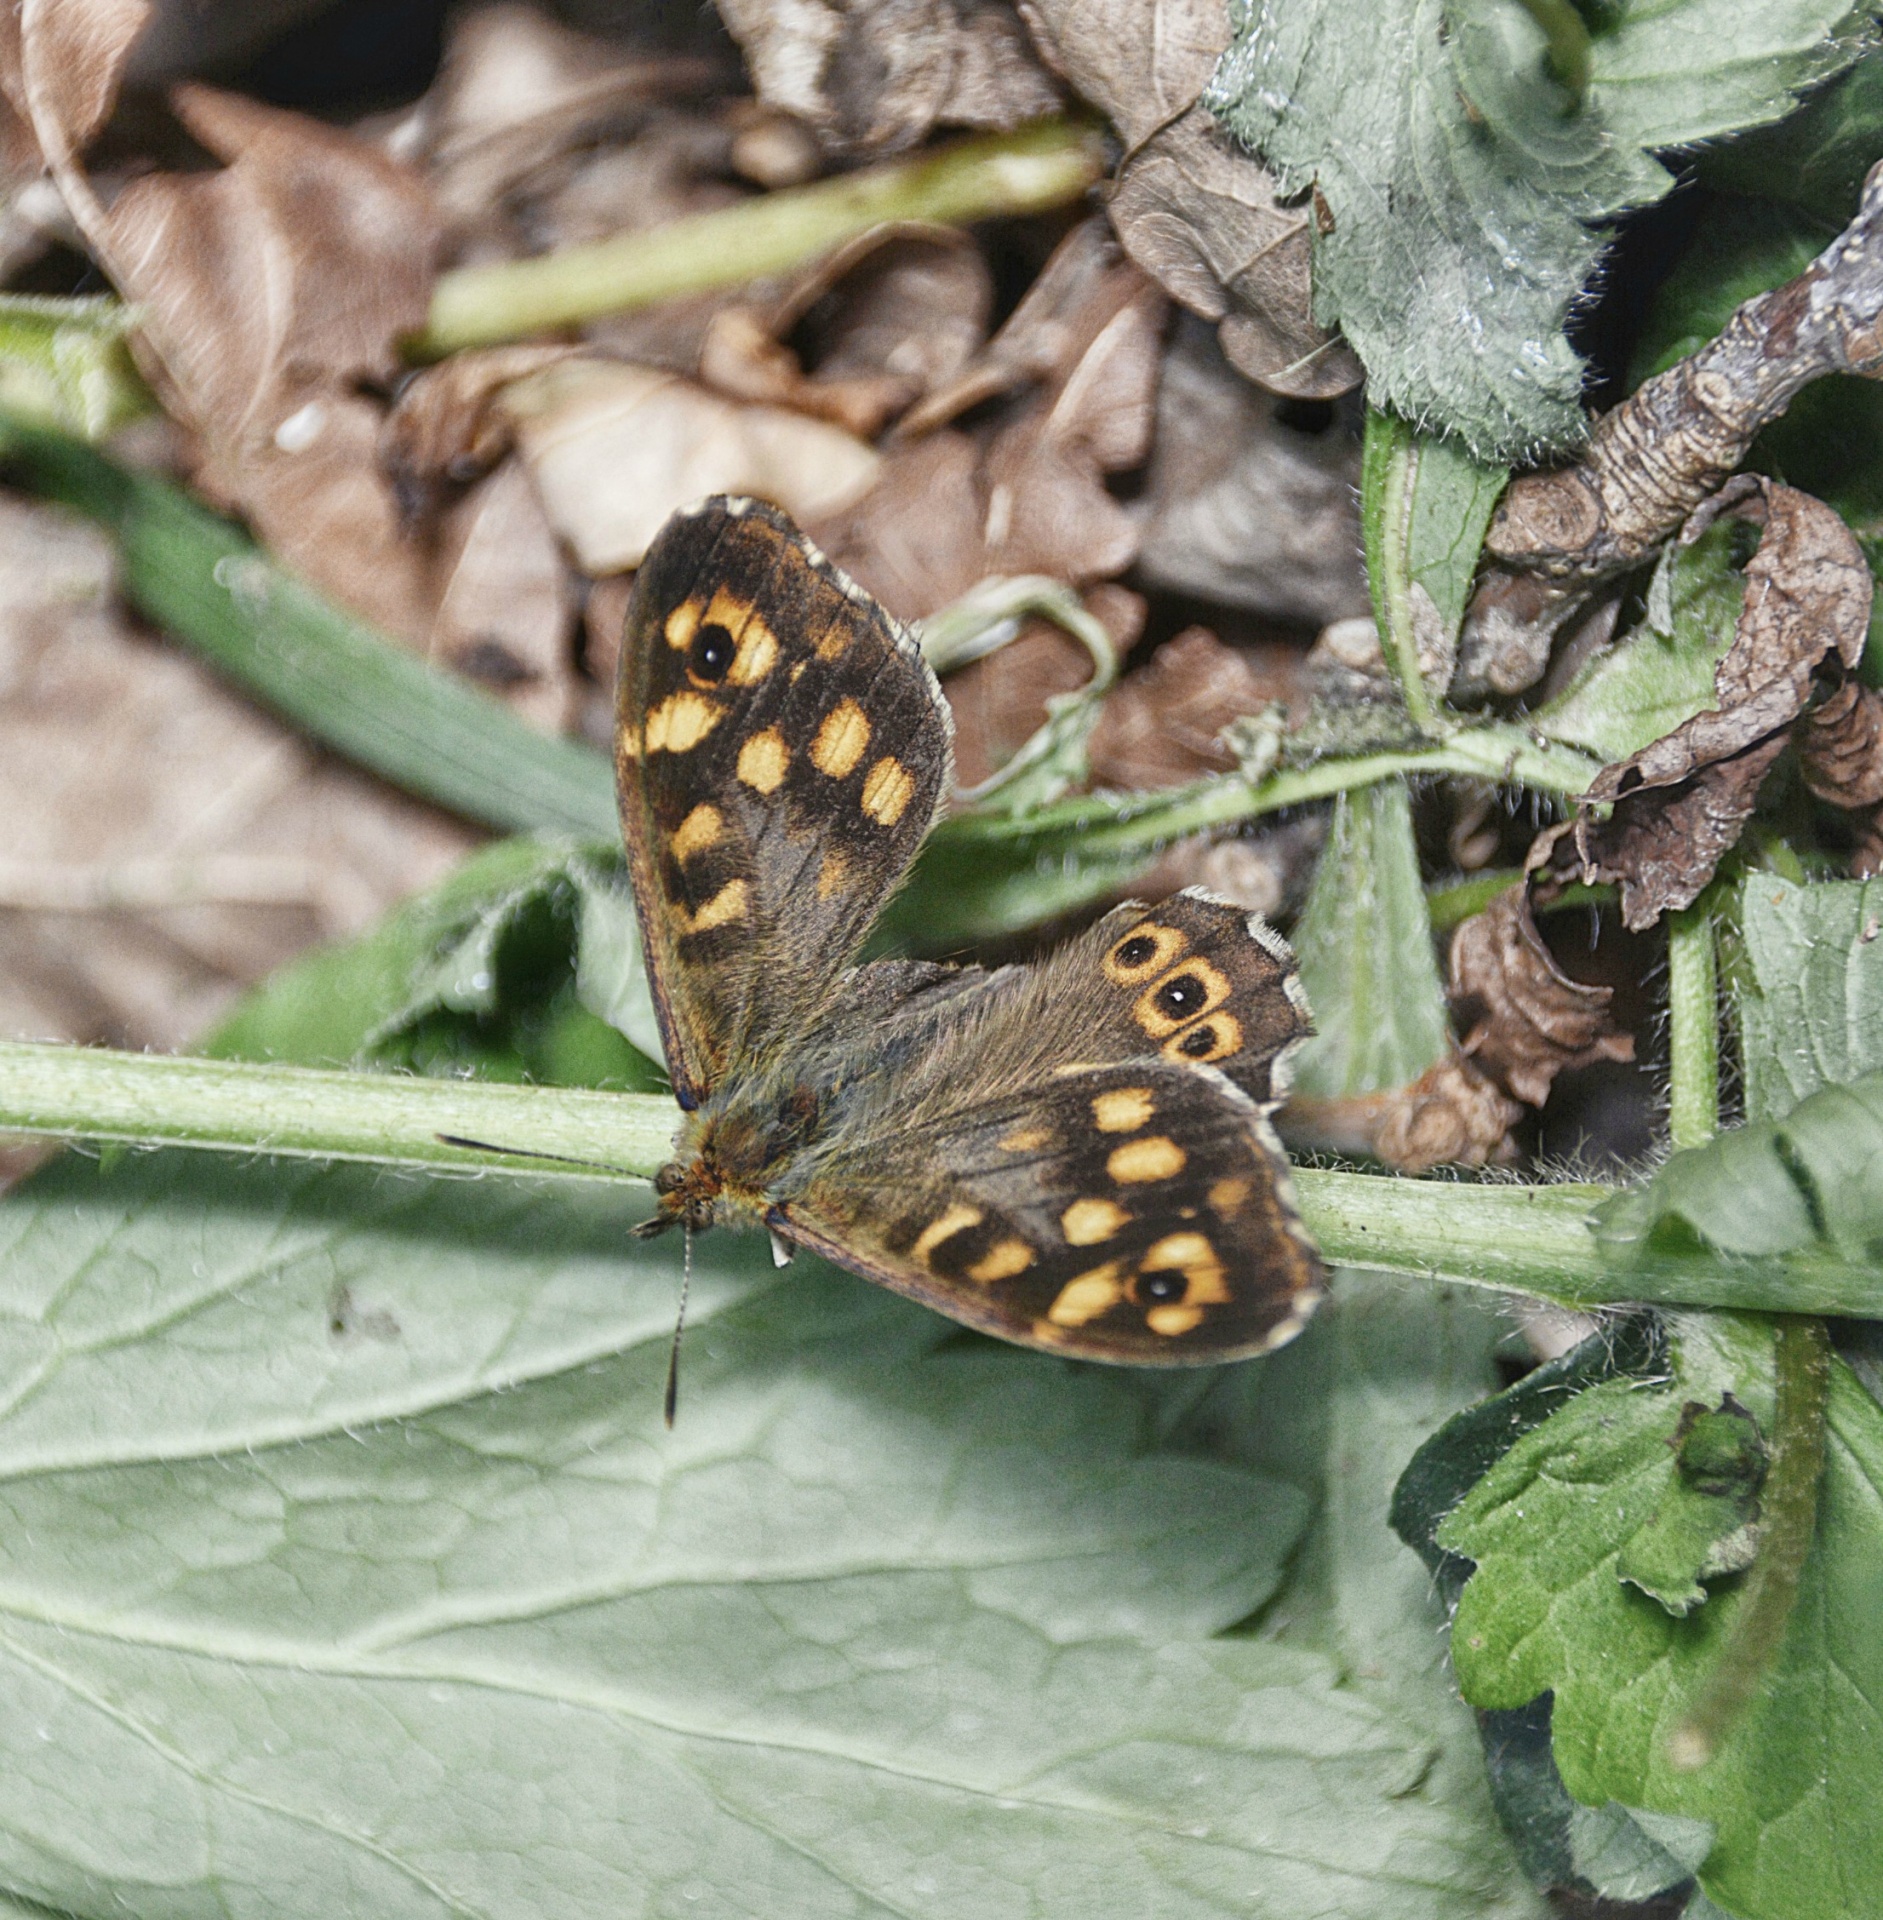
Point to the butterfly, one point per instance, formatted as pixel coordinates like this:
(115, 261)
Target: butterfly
(1074, 1155)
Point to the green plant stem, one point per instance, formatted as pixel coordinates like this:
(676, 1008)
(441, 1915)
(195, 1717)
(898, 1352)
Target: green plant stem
(1389, 473)
(1030, 170)
(1569, 48)
(214, 590)
(1532, 1239)
(1693, 1102)
(1788, 1518)
(1452, 902)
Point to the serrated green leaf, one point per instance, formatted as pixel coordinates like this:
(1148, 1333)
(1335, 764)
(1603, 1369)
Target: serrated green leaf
(1795, 1791)
(1656, 677)
(349, 1569)
(1810, 1001)
(1462, 180)
(1365, 945)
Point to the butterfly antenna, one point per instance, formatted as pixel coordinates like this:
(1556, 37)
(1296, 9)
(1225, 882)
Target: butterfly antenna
(526, 1153)
(679, 1324)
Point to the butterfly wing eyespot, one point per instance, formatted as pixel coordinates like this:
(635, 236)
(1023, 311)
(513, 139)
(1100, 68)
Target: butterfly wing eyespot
(1194, 987)
(1147, 950)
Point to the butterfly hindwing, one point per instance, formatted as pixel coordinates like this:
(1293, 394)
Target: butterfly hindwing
(781, 749)
(1138, 1212)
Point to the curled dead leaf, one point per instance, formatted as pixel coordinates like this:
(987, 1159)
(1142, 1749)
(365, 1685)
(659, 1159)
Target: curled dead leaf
(615, 449)
(1162, 725)
(1249, 502)
(1452, 1115)
(1840, 744)
(891, 315)
(877, 75)
(1523, 1020)
(1197, 214)
(1679, 804)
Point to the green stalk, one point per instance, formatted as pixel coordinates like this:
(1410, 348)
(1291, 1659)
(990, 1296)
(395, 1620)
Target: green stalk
(1693, 1017)
(1028, 171)
(1534, 1239)
(1389, 472)
(1788, 1520)
(431, 733)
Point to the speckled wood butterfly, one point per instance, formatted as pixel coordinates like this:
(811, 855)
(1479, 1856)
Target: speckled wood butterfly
(1074, 1155)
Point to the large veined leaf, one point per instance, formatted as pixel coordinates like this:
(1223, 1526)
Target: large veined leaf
(1460, 179)
(348, 1568)
(1557, 1527)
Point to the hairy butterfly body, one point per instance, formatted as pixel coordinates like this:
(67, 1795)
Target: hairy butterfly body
(1074, 1155)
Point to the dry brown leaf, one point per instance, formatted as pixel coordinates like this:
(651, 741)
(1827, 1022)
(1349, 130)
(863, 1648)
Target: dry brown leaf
(876, 75)
(1866, 858)
(890, 316)
(1027, 495)
(1679, 804)
(1266, 871)
(61, 62)
(615, 449)
(1195, 212)
(1841, 746)
(1162, 724)
(516, 92)
(1523, 1019)
(1244, 503)
(1000, 701)
(503, 616)
(168, 845)
(1452, 1115)
(446, 427)
(266, 292)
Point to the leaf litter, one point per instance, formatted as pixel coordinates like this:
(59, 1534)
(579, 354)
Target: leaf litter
(1139, 398)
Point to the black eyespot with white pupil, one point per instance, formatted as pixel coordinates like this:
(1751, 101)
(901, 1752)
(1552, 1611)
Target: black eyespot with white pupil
(1163, 1286)
(1182, 996)
(1135, 951)
(711, 655)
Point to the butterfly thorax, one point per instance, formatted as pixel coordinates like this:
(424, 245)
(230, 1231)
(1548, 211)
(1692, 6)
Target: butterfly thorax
(728, 1156)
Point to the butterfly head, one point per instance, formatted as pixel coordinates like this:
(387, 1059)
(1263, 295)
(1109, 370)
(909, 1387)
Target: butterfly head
(728, 1155)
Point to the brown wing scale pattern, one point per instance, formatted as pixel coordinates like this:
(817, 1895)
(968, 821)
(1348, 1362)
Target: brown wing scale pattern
(781, 751)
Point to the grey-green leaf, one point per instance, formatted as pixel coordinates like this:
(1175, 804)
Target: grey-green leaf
(1462, 181)
(1365, 944)
(347, 1567)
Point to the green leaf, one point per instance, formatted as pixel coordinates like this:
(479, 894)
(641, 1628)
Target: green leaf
(1365, 945)
(1463, 182)
(1704, 1525)
(1626, 1853)
(1660, 674)
(523, 964)
(349, 1568)
(64, 363)
(1811, 1000)
(1801, 1193)
(1814, 159)
(1795, 1792)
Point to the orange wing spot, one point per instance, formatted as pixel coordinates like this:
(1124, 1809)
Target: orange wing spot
(956, 1220)
(834, 642)
(1087, 1297)
(833, 875)
(1002, 1261)
(1025, 1139)
(1230, 1196)
(763, 761)
(1158, 1158)
(1123, 1109)
(1086, 1222)
(841, 740)
(698, 831)
(1173, 1319)
(1179, 997)
(1146, 950)
(887, 791)
(727, 905)
(1213, 1039)
(682, 624)
(680, 723)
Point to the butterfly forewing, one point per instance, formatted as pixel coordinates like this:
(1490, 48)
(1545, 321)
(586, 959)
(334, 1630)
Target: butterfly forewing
(1137, 1213)
(781, 749)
